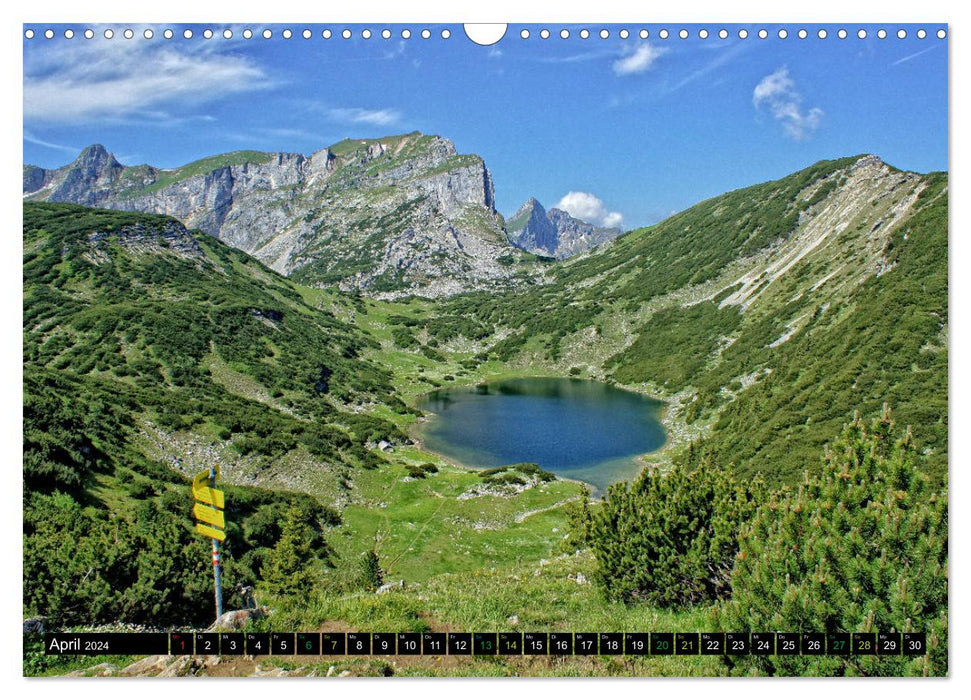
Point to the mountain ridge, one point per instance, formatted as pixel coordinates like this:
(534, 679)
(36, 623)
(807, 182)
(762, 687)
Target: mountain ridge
(390, 216)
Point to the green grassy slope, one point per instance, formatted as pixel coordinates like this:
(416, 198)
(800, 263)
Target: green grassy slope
(888, 343)
(134, 332)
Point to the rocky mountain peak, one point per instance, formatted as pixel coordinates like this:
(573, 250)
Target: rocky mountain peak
(94, 151)
(96, 159)
(868, 161)
(528, 206)
(553, 232)
(530, 229)
(531, 208)
(83, 181)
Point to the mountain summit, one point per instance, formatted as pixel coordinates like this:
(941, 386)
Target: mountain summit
(554, 233)
(90, 178)
(391, 216)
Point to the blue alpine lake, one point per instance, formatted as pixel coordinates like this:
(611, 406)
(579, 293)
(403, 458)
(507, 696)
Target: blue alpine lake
(578, 429)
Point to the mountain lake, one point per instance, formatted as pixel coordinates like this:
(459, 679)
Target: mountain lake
(579, 429)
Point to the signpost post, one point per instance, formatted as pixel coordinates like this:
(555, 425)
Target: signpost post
(211, 521)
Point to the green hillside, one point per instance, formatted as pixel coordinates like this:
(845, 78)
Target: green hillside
(137, 331)
(144, 343)
(888, 343)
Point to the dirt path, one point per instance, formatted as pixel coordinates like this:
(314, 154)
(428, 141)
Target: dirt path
(529, 513)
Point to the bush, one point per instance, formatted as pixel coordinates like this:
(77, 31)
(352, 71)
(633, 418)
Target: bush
(861, 547)
(506, 479)
(59, 449)
(531, 469)
(141, 489)
(420, 471)
(84, 567)
(432, 354)
(670, 539)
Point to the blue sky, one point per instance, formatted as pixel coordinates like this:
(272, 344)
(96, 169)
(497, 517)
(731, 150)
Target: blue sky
(621, 131)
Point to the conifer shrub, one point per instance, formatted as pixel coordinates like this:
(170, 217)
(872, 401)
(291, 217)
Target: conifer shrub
(860, 547)
(287, 567)
(370, 573)
(420, 471)
(669, 539)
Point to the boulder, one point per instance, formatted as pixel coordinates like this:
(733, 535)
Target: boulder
(34, 625)
(236, 619)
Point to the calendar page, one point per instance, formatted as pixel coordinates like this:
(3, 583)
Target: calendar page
(588, 349)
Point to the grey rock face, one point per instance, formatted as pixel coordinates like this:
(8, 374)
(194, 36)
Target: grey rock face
(140, 238)
(34, 178)
(236, 619)
(393, 216)
(88, 180)
(35, 625)
(530, 228)
(554, 233)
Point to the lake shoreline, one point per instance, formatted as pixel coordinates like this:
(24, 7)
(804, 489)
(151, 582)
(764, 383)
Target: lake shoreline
(613, 413)
(414, 434)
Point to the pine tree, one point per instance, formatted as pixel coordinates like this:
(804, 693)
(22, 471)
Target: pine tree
(861, 547)
(579, 521)
(287, 569)
(372, 577)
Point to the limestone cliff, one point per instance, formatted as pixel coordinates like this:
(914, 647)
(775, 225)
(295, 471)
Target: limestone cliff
(391, 216)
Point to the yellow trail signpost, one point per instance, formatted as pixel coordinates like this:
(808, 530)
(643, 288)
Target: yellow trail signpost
(211, 521)
(213, 516)
(204, 491)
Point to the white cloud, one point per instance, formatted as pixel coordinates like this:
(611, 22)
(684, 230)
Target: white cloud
(79, 83)
(357, 115)
(777, 91)
(583, 56)
(637, 61)
(912, 56)
(30, 138)
(288, 133)
(722, 56)
(590, 208)
(398, 50)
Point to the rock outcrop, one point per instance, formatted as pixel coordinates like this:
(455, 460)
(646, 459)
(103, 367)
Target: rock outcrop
(234, 620)
(392, 216)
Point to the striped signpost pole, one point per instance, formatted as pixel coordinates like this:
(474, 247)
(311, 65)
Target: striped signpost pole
(217, 575)
(211, 522)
